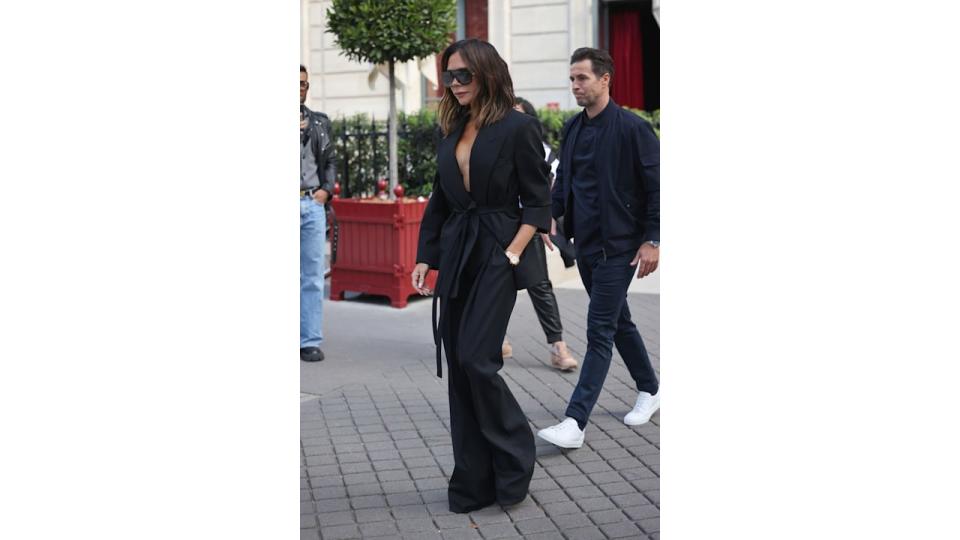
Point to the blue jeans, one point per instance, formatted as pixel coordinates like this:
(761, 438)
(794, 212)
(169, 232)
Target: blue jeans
(606, 280)
(313, 243)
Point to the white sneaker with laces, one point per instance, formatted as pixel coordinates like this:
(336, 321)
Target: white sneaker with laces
(566, 434)
(643, 410)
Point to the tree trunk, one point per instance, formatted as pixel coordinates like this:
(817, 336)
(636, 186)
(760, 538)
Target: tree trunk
(392, 136)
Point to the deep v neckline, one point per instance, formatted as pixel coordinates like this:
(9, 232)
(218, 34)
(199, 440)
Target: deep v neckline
(456, 158)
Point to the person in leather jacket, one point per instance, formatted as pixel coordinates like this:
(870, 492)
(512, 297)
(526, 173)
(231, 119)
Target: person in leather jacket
(317, 172)
(317, 128)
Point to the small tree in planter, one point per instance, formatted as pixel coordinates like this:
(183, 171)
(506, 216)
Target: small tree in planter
(379, 32)
(378, 242)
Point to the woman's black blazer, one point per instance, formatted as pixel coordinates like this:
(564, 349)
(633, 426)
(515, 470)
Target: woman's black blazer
(507, 170)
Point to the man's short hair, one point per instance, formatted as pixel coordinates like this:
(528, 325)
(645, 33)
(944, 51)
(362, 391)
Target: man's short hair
(302, 69)
(599, 58)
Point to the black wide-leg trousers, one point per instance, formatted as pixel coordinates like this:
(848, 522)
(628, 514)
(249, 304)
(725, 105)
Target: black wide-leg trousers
(493, 445)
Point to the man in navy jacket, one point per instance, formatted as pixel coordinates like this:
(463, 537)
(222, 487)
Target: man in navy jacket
(608, 190)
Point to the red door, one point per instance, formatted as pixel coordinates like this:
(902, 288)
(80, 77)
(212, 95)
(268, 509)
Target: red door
(626, 48)
(633, 38)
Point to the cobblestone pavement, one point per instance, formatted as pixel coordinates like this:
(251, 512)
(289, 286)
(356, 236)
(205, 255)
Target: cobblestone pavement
(375, 441)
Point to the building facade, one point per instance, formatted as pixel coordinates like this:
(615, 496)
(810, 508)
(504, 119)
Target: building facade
(535, 37)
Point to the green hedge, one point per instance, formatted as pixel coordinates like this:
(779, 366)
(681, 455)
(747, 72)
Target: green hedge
(417, 149)
(553, 121)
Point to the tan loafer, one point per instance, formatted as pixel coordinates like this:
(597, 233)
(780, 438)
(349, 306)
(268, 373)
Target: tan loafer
(506, 350)
(561, 358)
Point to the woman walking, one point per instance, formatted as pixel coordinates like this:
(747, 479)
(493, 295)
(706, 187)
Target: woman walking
(476, 234)
(541, 294)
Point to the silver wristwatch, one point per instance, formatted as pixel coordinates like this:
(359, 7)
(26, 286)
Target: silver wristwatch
(654, 243)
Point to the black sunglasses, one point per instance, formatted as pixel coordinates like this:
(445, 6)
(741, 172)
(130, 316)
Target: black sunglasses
(463, 76)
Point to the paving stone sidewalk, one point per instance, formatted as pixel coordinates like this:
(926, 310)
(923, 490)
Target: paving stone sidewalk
(375, 440)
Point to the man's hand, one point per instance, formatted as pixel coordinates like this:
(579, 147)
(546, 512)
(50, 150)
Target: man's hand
(418, 277)
(648, 257)
(321, 196)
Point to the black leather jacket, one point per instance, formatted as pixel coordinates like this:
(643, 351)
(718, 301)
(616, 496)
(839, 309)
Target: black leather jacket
(319, 131)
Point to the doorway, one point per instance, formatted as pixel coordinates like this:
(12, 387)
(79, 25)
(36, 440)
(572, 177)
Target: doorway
(631, 34)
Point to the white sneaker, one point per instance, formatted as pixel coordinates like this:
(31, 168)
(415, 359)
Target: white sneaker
(566, 434)
(643, 410)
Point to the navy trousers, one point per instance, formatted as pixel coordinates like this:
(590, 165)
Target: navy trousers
(606, 280)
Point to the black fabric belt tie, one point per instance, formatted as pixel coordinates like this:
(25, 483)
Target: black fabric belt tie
(308, 192)
(466, 227)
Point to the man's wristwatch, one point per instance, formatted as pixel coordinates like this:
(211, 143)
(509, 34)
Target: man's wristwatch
(654, 243)
(513, 257)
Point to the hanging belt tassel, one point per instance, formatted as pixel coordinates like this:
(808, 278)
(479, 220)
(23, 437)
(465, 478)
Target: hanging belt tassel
(437, 341)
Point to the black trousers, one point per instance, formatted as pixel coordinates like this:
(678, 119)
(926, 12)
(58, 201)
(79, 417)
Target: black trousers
(542, 297)
(493, 446)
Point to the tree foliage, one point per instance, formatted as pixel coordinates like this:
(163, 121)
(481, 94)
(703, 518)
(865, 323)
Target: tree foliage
(378, 31)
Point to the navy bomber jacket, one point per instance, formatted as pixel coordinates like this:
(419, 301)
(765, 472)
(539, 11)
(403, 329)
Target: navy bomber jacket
(628, 174)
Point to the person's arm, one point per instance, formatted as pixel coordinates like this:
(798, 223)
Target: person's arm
(435, 215)
(533, 175)
(558, 180)
(553, 163)
(330, 160)
(428, 245)
(646, 148)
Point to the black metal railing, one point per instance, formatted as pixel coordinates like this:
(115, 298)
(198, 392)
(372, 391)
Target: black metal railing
(362, 154)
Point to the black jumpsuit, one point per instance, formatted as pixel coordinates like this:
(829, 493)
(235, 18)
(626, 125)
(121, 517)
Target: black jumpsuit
(464, 235)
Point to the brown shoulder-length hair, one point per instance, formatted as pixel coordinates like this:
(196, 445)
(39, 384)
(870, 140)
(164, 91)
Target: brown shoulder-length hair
(494, 85)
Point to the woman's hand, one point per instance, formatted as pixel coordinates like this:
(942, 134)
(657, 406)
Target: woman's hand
(520, 241)
(419, 277)
(546, 241)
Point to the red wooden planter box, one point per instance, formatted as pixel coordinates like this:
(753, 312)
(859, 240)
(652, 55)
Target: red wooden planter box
(378, 248)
